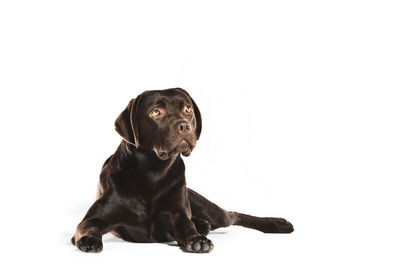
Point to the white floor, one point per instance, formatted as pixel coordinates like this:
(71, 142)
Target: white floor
(234, 246)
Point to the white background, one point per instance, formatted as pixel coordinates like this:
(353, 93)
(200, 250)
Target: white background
(300, 104)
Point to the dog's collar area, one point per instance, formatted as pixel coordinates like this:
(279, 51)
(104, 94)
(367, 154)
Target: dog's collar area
(150, 156)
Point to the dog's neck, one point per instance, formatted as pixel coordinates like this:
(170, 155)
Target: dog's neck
(159, 168)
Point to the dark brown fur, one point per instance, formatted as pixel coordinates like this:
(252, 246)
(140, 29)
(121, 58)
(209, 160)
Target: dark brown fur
(142, 192)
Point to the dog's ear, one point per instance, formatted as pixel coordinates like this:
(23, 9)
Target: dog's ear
(196, 113)
(126, 123)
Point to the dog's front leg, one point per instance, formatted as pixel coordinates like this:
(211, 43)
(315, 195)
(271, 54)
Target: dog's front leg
(187, 236)
(99, 219)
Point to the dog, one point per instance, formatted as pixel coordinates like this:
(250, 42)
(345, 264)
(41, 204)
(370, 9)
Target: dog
(142, 193)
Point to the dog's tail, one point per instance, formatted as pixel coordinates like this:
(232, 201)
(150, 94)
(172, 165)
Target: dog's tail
(263, 224)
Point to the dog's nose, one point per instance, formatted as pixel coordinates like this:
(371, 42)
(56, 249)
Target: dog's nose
(183, 127)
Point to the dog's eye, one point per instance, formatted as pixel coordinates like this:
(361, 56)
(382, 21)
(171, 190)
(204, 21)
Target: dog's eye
(155, 112)
(188, 109)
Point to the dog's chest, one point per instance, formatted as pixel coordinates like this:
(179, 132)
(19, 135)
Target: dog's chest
(147, 206)
(138, 209)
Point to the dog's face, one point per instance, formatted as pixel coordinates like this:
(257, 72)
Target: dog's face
(167, 122)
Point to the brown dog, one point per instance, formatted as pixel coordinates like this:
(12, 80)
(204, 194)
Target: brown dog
(142, 193)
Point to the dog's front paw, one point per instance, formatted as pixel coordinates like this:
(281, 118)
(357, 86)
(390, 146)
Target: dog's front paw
(198, 244)
(89, 244)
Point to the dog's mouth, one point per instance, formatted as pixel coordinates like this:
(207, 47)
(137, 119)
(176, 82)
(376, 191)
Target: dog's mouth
(184, 147)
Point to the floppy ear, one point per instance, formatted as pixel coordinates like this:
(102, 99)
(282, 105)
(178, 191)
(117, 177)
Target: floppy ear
(126, 124)
(196, 114)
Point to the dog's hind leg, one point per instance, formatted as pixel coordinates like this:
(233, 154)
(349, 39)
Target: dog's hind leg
(202, 225)
(203, 209)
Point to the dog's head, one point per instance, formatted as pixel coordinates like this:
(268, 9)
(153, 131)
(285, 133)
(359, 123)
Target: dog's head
(167, 122)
